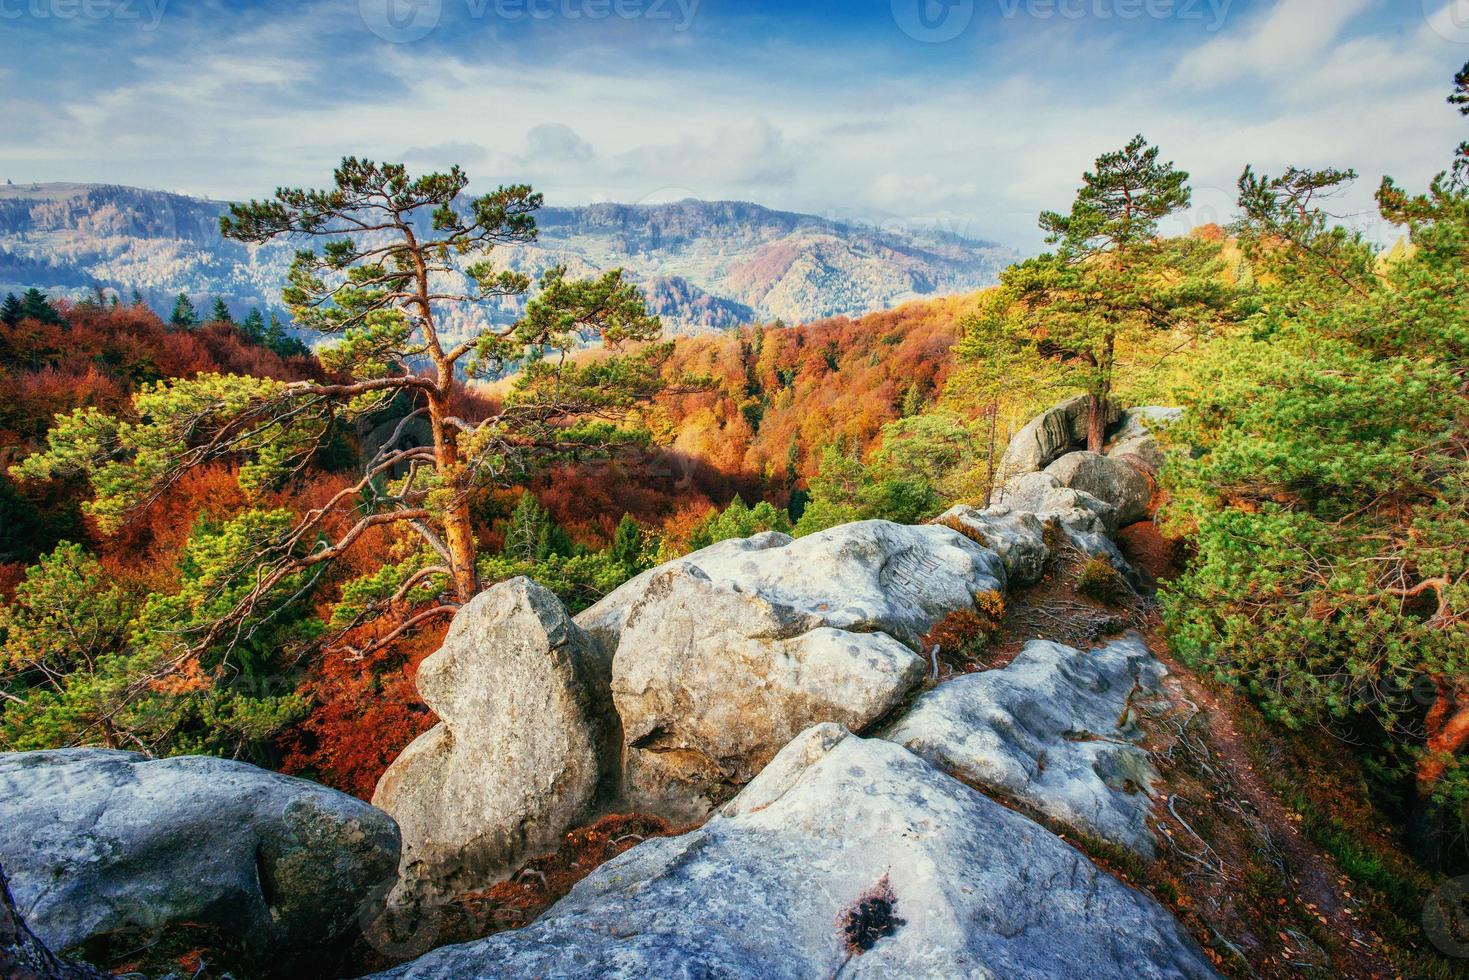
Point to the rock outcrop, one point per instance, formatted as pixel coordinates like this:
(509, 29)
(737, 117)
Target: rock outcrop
(844, 857)
(99, 843)
(603, 622)
(1112, 481)
(525, 739)
(1042, 493)
(1054, 730)
(723, 658)
(1018, 537)
(1134, 439)
(1049, 435)
(1026, 540)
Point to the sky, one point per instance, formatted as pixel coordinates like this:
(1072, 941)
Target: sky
(972, 115)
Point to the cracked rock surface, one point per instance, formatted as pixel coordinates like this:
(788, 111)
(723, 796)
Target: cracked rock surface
(845, 855)
(724, 656)
(526, 735)
(1054, 730)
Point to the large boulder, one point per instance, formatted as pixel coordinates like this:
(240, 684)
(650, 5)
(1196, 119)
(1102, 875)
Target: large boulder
(603, 622)
(1055, 730)
(1134, 439)
(1026, 541)
(1051, 434)
(101, 844)
(1018, 537)
(1043, 493)
(844, 857)
(1113, 481)
(720, 662)
(525, 737)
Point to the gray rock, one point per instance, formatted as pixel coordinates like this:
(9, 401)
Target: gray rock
(1134, 439)
(1024, 540)
(604, 621)
(1054, 730)
(1054, 432)
(1109, 480)
(957, 886)
(1136, 435)
(98, 842)
(1043, 493)
(1088, 536)
(23, 956)
(524, 741)
(721, 661)
(1018, 537)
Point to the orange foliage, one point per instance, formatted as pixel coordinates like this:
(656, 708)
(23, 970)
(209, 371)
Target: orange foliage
(366, 710)
(808, 386)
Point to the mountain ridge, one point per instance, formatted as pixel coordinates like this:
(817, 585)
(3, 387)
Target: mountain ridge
(706, 265)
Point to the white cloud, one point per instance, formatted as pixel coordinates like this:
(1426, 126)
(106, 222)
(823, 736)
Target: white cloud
(987, 146)
(746, 153)
(555, 143)
(1292, 35)
(444, 155)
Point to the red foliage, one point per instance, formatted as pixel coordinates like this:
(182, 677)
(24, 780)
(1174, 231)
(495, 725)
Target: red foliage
(367, 711)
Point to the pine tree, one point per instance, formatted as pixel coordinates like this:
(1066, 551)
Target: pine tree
(184, 314)
(254, 326)
(1111, 275)
(627, 545)
(1325, 489)
(912, 401)
(282, 343)
(221, 312)
(380, 308)
(10, 310)
(523, 533)
(138, 299)
(35, 306)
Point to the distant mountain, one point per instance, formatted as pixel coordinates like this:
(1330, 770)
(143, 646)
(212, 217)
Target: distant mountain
(705, 265)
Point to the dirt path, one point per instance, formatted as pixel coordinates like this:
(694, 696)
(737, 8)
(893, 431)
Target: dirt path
(1322, 890)
(1266, 899)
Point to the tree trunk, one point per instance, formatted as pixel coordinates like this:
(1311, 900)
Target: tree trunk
(989, 477)
(1096, 422)
(458, 526)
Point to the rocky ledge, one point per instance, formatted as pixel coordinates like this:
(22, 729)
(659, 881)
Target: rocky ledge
(845, 856)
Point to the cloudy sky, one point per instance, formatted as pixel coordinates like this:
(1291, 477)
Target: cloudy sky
(973, 114)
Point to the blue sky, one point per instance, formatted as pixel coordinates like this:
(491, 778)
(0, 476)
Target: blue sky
(972, 114)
